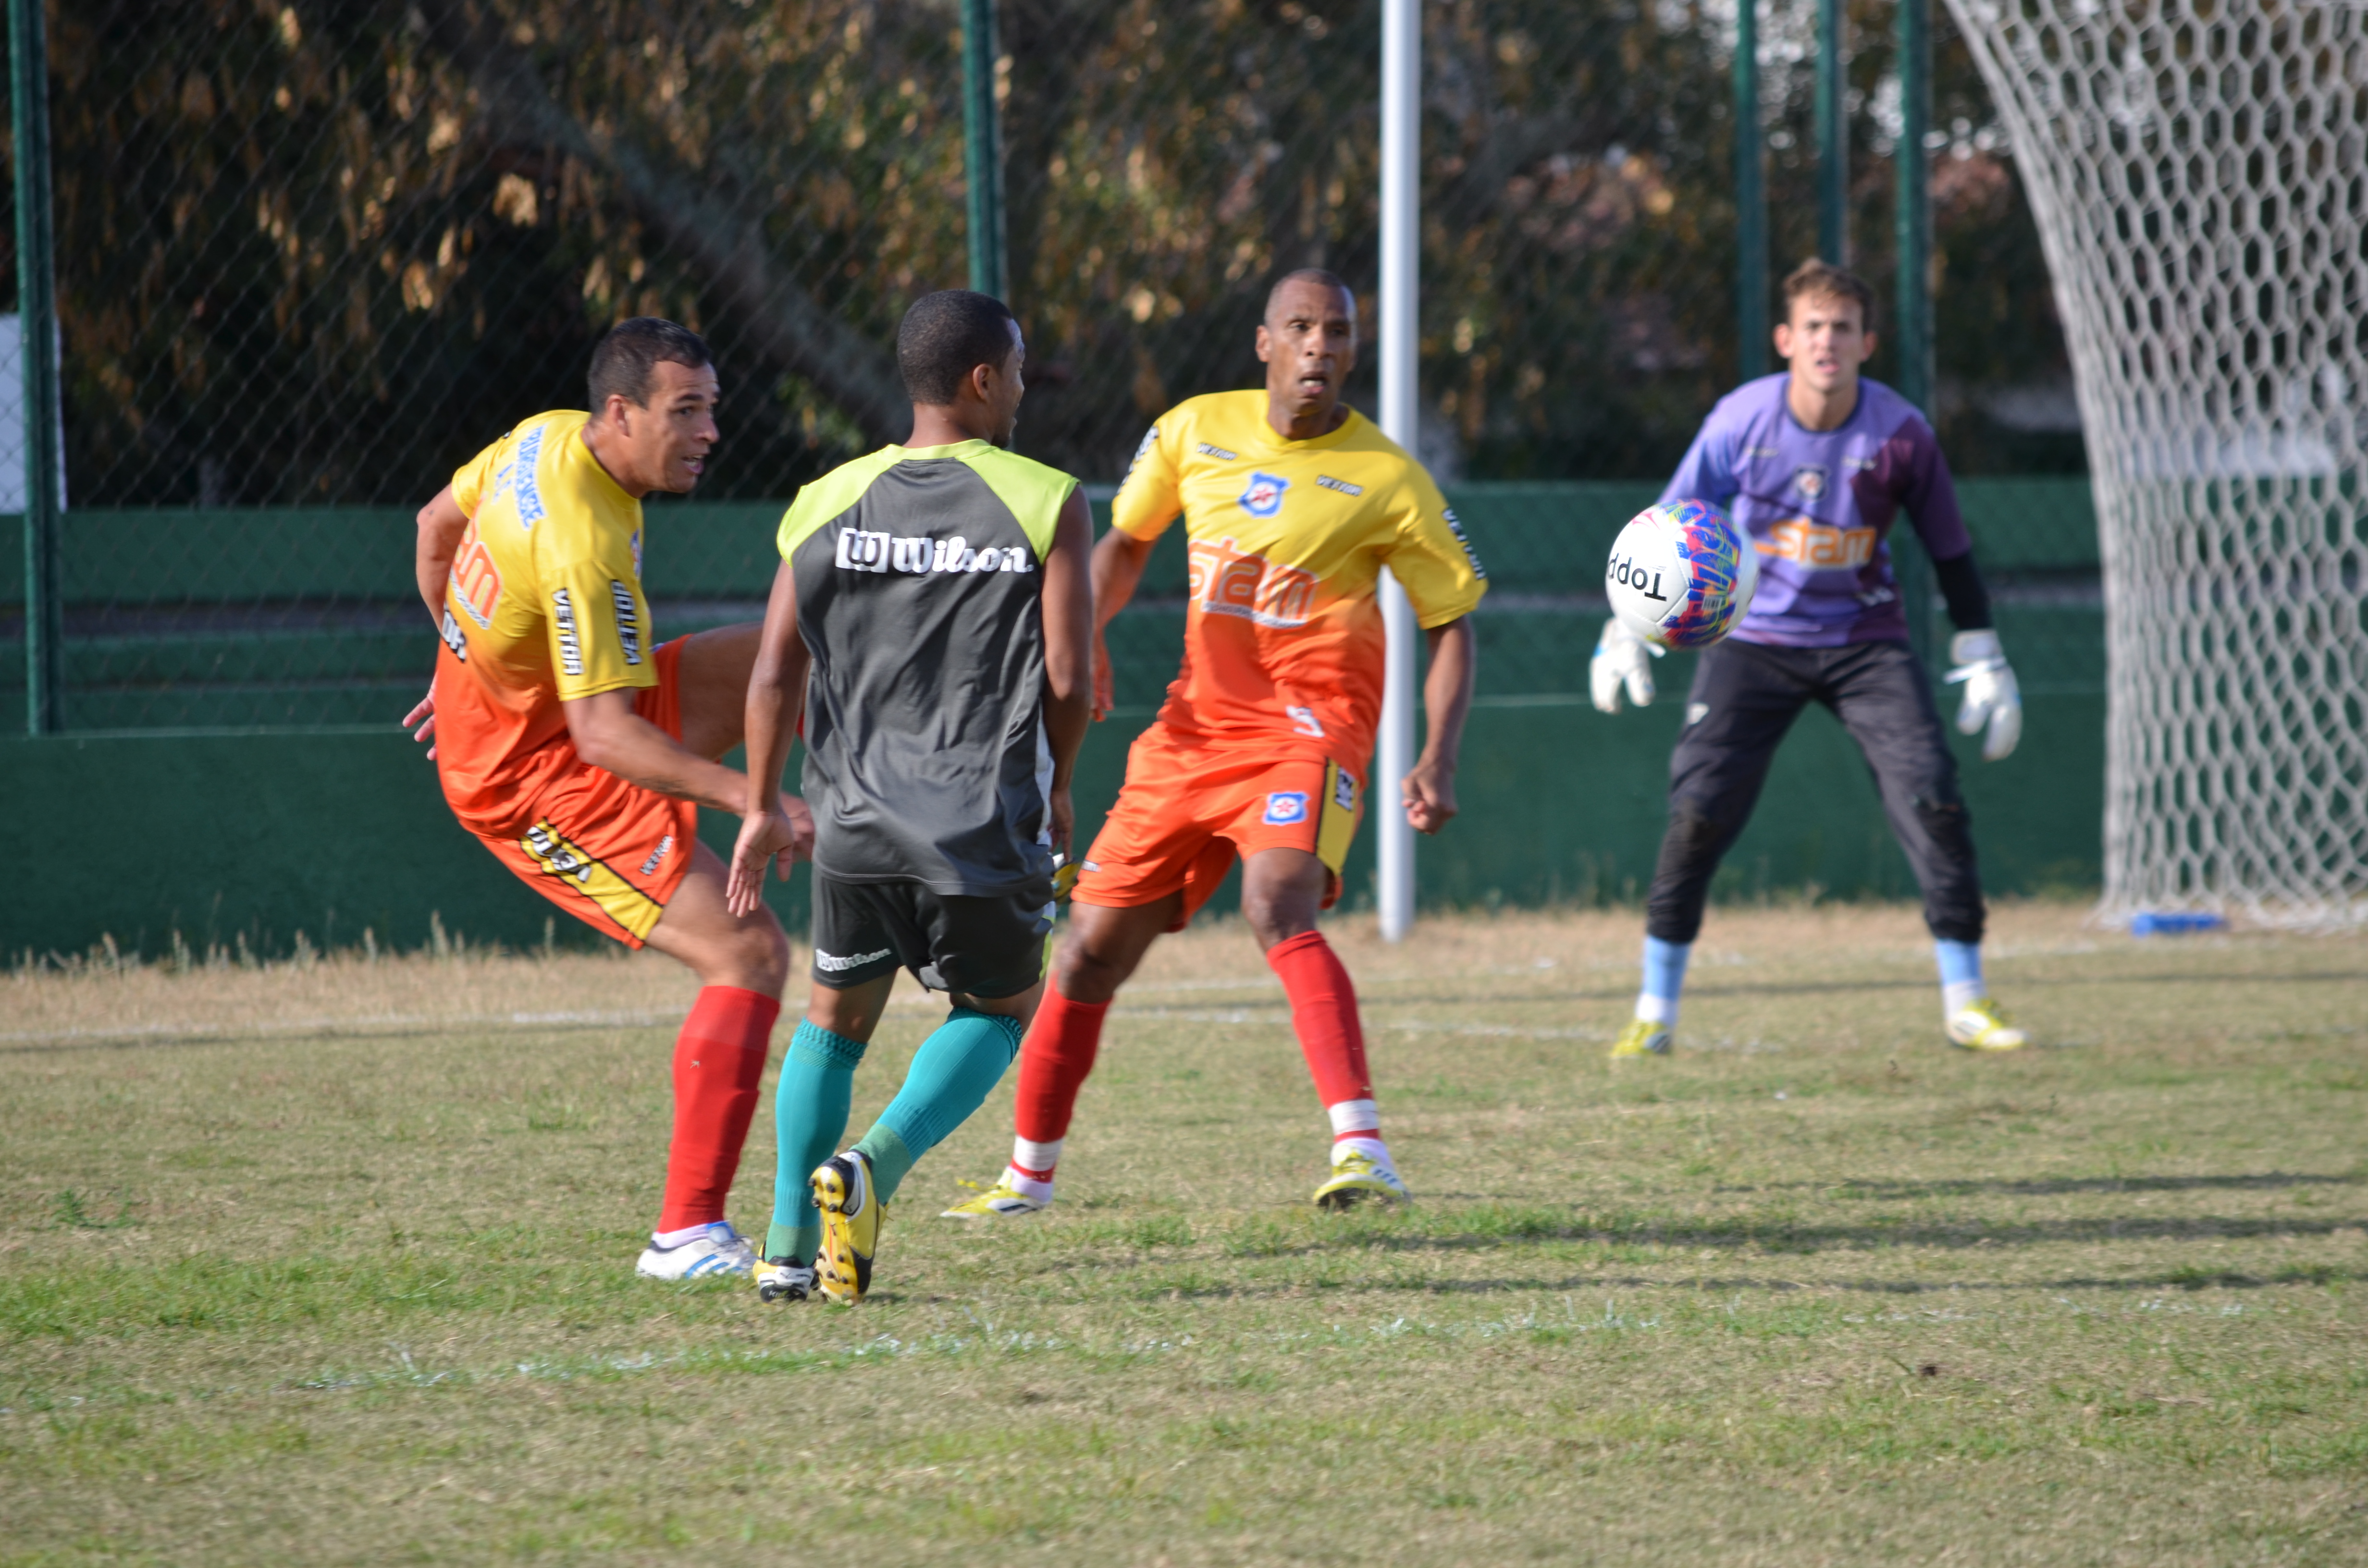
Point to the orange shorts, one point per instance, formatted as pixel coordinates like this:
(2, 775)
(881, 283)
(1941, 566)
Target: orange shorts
(1189, 808)
(607, 852)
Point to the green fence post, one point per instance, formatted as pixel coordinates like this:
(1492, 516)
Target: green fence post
(37, 319)
(1832, 137)
(1912, 213)
(1751, 199)
(983, 150)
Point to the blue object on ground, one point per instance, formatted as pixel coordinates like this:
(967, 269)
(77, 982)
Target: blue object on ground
(2176, 924)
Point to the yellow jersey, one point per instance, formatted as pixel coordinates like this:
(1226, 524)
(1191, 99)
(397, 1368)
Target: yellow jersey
(1283, 642)
(544, 605)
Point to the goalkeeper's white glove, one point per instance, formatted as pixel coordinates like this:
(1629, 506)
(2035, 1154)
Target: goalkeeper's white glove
(1991, 695)
(1621, 657)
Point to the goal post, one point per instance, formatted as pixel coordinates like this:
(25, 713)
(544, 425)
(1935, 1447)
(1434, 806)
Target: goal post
(2199, 172)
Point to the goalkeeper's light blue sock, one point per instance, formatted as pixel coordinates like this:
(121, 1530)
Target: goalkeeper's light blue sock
(809, 1118)
(1961, 974)
(1665, 979)
(953, 1074)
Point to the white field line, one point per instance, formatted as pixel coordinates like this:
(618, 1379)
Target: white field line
(362, 1024)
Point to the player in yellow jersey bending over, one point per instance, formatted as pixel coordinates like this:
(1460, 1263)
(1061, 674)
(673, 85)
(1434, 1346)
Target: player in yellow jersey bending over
(1292, 503)
(579, 749)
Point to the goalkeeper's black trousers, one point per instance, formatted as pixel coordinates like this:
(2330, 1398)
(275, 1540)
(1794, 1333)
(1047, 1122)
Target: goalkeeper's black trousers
(1745, 696)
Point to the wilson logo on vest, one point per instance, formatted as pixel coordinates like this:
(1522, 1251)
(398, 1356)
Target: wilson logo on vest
(863, 549)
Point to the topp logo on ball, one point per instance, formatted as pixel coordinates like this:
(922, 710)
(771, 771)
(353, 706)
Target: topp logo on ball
(1681, 574)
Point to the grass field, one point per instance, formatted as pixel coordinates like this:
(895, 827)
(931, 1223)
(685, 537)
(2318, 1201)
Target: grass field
(333, 1265)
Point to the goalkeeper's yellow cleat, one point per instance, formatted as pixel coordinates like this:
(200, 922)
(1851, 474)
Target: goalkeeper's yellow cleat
(1982, 1026)
(851, 1213)
(1642, 1037)
(996, 1201)
(1358, 1177)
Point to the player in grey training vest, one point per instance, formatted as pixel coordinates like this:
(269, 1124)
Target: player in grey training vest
(933, 615)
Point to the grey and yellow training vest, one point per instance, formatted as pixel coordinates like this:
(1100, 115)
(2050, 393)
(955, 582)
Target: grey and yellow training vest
(920, 573)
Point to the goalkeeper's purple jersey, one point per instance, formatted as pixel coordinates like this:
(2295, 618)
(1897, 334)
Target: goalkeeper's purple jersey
(1817, 505)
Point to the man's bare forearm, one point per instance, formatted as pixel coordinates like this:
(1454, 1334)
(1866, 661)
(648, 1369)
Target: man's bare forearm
(776, 696)
(614, 738)
(640, 753)
(441, 524)
(1119, 559)
(1447, 689)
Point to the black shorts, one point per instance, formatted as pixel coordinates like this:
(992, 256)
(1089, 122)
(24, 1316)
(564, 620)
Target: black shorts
(987, 948)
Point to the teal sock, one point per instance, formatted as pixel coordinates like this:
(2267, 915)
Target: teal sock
(809, 1118)
(953, 1074)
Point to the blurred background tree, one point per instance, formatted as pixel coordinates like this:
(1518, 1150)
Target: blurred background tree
(314, 252)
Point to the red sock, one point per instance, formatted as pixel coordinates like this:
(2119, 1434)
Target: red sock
(1054, 1059)
(1324, 1013)
(719, 1060)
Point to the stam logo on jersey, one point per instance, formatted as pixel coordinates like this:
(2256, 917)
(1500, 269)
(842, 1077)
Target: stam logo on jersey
(1816, 546)
(1228, 580)
(1264, 497)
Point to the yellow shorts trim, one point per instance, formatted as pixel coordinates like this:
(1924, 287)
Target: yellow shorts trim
(587, 876)
(1338, 826)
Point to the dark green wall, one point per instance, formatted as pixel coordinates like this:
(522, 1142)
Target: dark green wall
(266, 835)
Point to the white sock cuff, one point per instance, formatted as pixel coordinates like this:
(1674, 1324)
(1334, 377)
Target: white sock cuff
(1657, 1009)
(1962, 994)
(1353, 1116)
(1030, 1156)
(671, 1239)
(1028, 1187)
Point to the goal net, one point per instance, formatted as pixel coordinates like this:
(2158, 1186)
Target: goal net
(2199, 170)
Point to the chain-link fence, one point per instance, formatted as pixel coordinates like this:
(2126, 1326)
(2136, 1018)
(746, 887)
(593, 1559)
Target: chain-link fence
(311, 255)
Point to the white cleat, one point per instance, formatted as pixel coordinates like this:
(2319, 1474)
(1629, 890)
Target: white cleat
(784, 1279)
(999, 1201)
(718, 1253)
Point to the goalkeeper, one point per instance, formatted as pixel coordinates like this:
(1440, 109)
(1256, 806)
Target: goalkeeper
(1815, 463)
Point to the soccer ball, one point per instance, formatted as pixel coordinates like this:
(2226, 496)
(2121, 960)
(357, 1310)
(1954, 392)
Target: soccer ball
(1681, 574)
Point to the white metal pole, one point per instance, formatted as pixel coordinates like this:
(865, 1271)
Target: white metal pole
(1401, 349)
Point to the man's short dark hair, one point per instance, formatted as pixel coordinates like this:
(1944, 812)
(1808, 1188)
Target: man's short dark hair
(625, 364)
(1310, 274)
(945, 337)
(1818, 279)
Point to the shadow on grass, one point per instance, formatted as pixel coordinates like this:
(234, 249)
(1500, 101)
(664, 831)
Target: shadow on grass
(2046, 1186)
(1379, 995)
(1710, 1284)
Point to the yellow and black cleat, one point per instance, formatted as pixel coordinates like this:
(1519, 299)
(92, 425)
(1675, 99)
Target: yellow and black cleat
(851, 1213)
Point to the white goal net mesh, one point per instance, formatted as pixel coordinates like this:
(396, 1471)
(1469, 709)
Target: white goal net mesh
(2199, 169)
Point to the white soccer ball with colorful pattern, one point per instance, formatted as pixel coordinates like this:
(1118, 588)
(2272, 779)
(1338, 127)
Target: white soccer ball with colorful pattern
(1681, 574)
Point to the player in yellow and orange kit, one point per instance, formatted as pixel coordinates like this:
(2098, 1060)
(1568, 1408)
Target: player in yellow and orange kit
(1292, 503)
(578, 749)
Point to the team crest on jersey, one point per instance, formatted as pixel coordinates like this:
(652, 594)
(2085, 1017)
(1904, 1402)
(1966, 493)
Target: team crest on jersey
(1285, 808)
(1809, 479)
(1264, 497)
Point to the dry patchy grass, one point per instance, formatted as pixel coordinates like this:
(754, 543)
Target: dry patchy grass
(333, 1265)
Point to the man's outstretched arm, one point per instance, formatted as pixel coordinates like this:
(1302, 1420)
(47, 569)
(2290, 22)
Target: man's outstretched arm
(441, 524)
(1072, 679)
(611, 736)
(774, 827)
(1430, 790)
(1119, 560)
